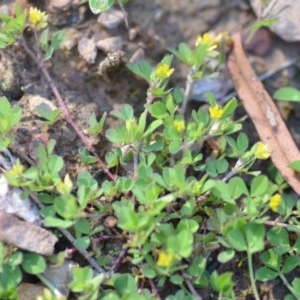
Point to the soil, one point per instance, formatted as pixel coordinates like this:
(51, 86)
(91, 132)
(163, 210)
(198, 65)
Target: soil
(155, 26)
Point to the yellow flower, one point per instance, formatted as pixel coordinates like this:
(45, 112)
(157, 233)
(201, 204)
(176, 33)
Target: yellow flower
(37, 18)
(130, 125)
(207, 39)
(262, 151)
(164, 259)
(65, 187)
(216, 112)
(16, 170)
(275, 201)
(179, 125)
(163, 71)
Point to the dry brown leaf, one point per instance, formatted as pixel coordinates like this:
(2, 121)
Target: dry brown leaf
(25, 235)
(264, 114)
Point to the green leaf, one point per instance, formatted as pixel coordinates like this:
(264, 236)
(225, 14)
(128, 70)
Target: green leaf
(271, 259)
(10, 277)
(56, 222)
(176, 279)
(222, 283)
(242, 142)
(154, 125)
(125, 112)
(255, 234)
(225, 256)
(86, 157)
(142, 68)
(80, 278)
(125, 285)
(279, 237)
(287, 94)
(296, 285)
(237, 187)
(82, 226)
(33, 263)
(259, 185)
(230, 107)
(82, 243)
(148, 272)
(66, 206)
(99, 6)
(237, 239)
(265, 274)
(290, 263)
(157, 110)
(188, 224)
(295, 165)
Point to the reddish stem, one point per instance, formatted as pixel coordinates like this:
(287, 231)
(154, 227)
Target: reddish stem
(65, 110)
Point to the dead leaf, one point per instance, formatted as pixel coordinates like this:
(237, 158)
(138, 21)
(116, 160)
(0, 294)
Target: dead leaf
(264, 114)
(26, 235)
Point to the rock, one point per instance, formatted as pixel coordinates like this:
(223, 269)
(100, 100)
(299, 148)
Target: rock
(133, 32)
(287, 11)
(25, 235)
(137, 55)
(37, 103)
(13, 202)
(87, 49)
(30, 291)
(216, 85)
(60, 4)
(9, 78)
(60, 276)
(71, 39)
(111, 19)
(111, 44)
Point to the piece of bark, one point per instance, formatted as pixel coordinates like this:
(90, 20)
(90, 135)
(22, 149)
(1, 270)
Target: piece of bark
(26, 235)
(264, 114)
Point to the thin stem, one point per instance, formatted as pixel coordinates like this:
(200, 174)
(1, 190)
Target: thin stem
(187, 92)
(192, 289)
(251, 274)
(65, 109)
(84, 253)
(153, 288)
(286, 283)
(49, 285)
(119, 259)
(124, 14)
(275, 223)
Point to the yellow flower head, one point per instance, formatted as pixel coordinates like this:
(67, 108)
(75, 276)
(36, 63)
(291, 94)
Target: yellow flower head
(179, 125)
(207, 39)
(163, 71)
(216, 112)
(37, 18)
(16, 170)
(275, 201)
(262, 151)
(164, 259)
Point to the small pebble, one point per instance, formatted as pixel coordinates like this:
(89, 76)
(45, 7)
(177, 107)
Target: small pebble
(87, 49)
(110, 44)
(111, 19)
(37, 102)
(137, 55)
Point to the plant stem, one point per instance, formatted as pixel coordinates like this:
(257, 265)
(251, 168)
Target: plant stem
(192, 289)
(124, 14)
(65, 109)
(286, 283)
(251, 274)
(187, 92)
(49, 284)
